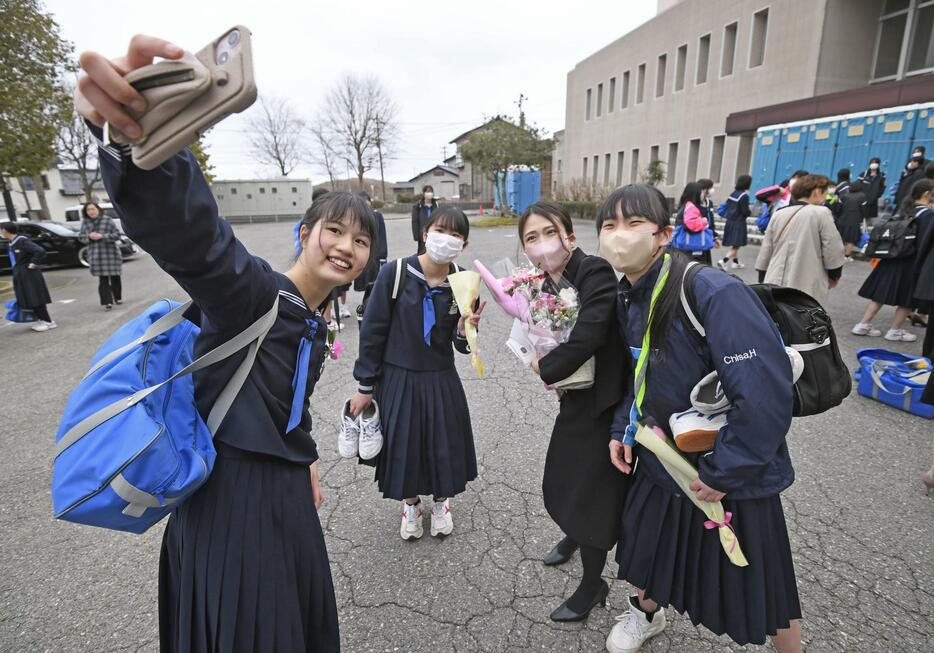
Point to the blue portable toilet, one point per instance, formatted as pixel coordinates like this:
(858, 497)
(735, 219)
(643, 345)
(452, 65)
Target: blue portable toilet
(892, 135)
(791, 150)
(765, 157)
(820, 145)
(924, 131)
(853, 143)
(522, 189)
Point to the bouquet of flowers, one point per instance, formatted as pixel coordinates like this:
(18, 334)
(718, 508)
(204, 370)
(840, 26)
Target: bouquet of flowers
(544, 316)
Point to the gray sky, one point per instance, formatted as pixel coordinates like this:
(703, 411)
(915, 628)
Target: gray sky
(447, 64)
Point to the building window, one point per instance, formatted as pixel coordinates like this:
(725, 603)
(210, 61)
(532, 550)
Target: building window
(249, 196)
(693, 156)
(728, 54)
(606, 169)
(45, 181)
(262, 191)
(660, 75)
(889, 45)
(716, 158)
(680, 64)
(760, 30)
(611, 96)
(921, 49)
(634, 166)
(275, 191)
(624, 101)
(640, 84)
(294, 204)
(559, 165)
(744, 155)
(584, 168)
(587, 114)
(620, 159)
(703, 59)
(233, 191)
(599, 99)
(653, 154)
(294, 189)
(672, 168)
(596, 165)
(219, 196)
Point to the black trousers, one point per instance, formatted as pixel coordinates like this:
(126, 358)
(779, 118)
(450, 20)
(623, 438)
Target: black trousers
(110, 289)
(42, 312)
(927, 349)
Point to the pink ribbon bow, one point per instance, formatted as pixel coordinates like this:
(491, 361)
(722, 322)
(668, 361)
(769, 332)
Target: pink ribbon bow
(711, 524)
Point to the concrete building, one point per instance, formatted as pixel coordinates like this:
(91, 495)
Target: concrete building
(665, 90)
(475, 185)
(262, 200)
(62, 186)
(442, 178)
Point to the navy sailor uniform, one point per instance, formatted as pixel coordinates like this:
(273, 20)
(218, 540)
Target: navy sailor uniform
(243, 564)
(407, 362)
(737, 210)
(664, 547)
(28, 283)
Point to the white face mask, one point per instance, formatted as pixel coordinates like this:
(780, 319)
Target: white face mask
(429, 197)
(873, 166)
(442, 248)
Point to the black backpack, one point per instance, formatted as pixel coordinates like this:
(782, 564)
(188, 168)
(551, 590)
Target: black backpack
(893, 237)
(804, 326)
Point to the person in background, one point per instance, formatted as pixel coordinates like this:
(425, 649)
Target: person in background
(735, 231)
(787, 198)
(849, 212)
(924, 292)
(892, 282)
(802, 248)
(692, 216)
(708, 208)
(843, 181)
(102, 238)
(913, 171)
(366, 280)
(28, 283)
(874, 178)
(421, 215)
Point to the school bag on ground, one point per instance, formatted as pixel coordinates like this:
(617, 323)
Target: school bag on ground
(895, 379)
(805, 327)
(893, 237)
(16, 314)
(131, 445)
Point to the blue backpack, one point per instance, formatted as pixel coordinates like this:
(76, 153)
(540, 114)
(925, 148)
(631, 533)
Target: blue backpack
(16, 314)
(762, 222)
(131, 445)
(721, 210)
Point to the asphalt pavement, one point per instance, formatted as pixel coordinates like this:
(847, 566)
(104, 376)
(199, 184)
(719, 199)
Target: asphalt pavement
(862, 530)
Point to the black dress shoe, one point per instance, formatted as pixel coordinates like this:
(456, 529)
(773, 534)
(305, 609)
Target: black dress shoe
(564, 613)
(557, 557)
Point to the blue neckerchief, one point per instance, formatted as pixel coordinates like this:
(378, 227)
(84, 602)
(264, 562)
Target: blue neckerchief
(428, 312)
(10, 252)
(300, 378)
(429, 211)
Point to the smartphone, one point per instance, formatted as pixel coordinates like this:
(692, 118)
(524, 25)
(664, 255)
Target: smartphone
(208, 86)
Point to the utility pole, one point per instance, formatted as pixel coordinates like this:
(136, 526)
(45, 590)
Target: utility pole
(444, 153)
(522, 98)
(379, 150)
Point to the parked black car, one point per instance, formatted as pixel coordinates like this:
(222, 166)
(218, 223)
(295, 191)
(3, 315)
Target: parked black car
(60, 240)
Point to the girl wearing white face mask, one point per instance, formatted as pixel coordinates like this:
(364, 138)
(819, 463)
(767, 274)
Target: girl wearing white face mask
(406, 364)
(581, 489)
(665, 549)
(874, 178)
(421, 216)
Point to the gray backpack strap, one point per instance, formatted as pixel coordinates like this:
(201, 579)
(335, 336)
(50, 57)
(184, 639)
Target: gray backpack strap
(686, 304)
(400, 275)
(253, 335)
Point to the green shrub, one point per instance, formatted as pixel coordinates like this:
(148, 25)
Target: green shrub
(582, 210)
(378, 204)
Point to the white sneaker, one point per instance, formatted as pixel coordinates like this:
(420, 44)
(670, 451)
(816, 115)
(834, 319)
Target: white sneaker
(694, 431)
(864, 329)
(334, 326)
(736, 265)
(345, 312)
(708, 396)
(371, 437)
(44, 326)
(633, 630)
(900, 335)
(442, 523)
(347, 441)
(721, 264)
(412, 528)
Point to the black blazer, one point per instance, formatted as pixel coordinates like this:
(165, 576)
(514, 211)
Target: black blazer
(420, 218)
(595, 334)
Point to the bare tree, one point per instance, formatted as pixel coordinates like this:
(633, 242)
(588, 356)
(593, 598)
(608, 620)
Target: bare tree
(324, 154)
(361, 116)
(276, 134)
(76, 147)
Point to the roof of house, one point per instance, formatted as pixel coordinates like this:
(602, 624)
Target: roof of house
(479, 127)
(447, 169)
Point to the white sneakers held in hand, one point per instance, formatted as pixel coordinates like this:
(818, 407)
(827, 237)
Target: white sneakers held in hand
(360, 435)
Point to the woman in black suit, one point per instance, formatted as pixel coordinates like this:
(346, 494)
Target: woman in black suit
(421, 214)
(583, 492)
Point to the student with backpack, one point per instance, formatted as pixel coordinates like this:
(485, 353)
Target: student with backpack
(892, 281)
(28, 283)
(736, 231)
(693, 229)
(924, 264)
(243, 564)
(850, 209)
(408, 382)
(665, 549)
(366, 280)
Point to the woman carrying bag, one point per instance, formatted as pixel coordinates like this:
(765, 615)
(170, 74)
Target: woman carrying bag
(100, 234)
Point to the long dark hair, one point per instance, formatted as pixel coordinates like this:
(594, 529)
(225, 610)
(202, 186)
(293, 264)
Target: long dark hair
(691, 193)
(918, 189)
(648, 202)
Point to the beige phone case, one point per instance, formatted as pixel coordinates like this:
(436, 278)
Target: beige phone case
(186, 97)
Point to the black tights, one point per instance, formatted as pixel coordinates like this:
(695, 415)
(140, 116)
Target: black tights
(110, 289)
(42, 312)
(927, 349)
(593, 560)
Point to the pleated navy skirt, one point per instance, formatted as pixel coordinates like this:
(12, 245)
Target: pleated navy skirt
(244, 565)
(665, 550)
(891, 282)
(735, 233)
(428, 446)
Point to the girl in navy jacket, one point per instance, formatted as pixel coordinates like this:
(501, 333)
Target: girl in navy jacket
(665, 550)
(406, 363)
(243, 563)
